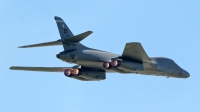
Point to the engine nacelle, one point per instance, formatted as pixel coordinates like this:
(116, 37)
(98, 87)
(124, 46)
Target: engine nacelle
(85, 74)
(127, 65)
(70, 72)
(92, 74)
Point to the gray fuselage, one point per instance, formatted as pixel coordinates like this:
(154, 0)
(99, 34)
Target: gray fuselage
(94, 59)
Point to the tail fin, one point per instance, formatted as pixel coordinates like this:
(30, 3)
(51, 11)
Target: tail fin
(64, 31)
(68, 40)
(72, 40)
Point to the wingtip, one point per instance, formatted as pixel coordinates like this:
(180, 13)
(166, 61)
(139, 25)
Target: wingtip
(11, 68)
(23, 46)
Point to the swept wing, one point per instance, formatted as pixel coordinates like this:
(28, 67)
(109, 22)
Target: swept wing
(134, 51)
(43, 69)
(47, 69)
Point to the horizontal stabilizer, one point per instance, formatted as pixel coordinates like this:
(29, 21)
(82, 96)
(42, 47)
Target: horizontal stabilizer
(78, 38)
(134, 51)
(72, 40)
(53, 43)
(42, 69)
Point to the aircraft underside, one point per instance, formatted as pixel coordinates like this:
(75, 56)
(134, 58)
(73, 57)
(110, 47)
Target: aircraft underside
(92, 64)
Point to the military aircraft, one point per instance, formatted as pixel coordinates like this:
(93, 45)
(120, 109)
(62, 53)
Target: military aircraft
(93, 64)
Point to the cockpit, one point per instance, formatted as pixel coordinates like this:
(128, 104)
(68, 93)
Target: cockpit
(169, 67)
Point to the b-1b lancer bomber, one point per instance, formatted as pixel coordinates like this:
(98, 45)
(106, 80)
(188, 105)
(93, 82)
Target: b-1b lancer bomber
(92, 64)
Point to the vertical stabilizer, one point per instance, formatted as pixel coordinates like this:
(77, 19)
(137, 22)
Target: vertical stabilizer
(64, 31)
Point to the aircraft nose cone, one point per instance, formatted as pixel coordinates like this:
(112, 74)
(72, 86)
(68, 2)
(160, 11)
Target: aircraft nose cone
(186, 75)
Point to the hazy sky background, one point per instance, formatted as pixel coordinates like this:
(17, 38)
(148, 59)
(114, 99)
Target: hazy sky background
(168, 28)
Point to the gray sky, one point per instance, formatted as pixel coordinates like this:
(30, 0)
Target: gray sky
(165, 28)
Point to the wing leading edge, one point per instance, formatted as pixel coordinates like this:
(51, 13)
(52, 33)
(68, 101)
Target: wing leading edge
(134, 51)
(47, 69)
(41, 69)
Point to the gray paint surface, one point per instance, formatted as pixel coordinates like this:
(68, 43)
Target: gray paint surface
(134, 59)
